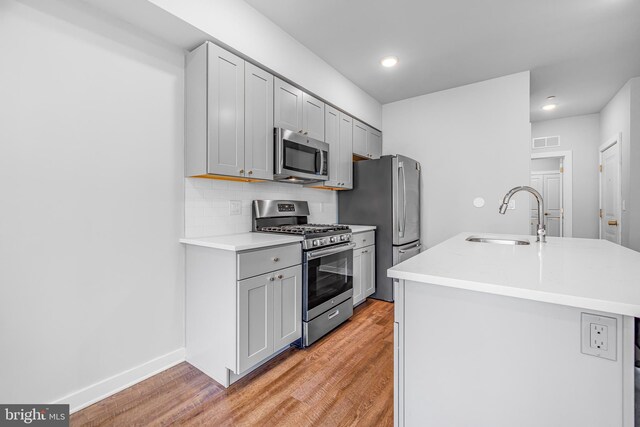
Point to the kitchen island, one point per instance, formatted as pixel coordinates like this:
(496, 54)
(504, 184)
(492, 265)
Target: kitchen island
(529, 335)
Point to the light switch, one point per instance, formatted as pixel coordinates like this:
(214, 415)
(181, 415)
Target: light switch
(235, 207)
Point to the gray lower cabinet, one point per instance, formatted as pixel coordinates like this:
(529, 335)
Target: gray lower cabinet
(269, 314)
(229, 116)
(364, 264)
(242, 308)
(367, 142)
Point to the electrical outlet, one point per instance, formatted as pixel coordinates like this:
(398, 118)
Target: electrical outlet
(599, 336)
(235, 207)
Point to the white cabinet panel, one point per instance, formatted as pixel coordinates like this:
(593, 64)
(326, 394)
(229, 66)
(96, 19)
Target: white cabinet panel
(258, 153)
(360, 138)
(288, 106)
(374, 144)
(332, 137)
(369, 270)
(312, 117)
(225, 112)
(255, 320)
(358, 291)
(287, 307)
(345, 162)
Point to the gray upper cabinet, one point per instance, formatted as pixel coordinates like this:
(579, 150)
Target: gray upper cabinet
(345, 161)
(258, 145)
(367, 142)
(229, 117)
(374, 144)
(288, 106)
(332, 137)
(338, 132)
(225, 154)
(312, 117)
(214, 112)
(360, 138)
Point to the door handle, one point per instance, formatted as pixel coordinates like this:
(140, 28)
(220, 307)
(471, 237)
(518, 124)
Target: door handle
(613, 222)
(332, 315)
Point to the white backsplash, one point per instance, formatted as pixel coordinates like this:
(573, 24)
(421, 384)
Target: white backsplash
(207, 204)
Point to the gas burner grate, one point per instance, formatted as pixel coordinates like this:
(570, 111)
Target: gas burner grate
(305, 229)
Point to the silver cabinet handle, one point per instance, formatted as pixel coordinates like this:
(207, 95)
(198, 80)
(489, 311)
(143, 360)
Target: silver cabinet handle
(271, 279)
(250, 172)
(300, 131)
(306, 133)
(332, 315)
(276, 259)
(280, 276)
(241, 171)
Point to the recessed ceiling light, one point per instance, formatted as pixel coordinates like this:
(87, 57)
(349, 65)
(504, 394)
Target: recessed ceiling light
(550, 105)
(389, 61)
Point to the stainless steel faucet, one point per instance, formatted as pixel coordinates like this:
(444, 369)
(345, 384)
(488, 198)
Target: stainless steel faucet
(542, 230)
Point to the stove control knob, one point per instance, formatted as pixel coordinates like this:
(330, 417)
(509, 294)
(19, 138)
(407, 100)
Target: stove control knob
(343, 237)
(332, 240)
(315, 242)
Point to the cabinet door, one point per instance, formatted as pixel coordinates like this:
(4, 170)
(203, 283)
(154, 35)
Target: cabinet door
(358, 290)
(332, 137)
(360, 138)
(258, 146)
(287, 106)
(345, 161)
(287, 306)
(255, 320)
(374, 144)
(225, 149)
(313, 117)
(369, 270)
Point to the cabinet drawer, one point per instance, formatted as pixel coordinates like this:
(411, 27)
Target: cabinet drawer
(265, 260)
(364, 239)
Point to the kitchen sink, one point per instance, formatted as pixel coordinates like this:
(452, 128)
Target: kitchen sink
(496, 240)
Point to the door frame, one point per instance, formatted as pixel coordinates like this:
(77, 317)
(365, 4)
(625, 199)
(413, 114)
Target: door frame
(566, 157)
(616, 139)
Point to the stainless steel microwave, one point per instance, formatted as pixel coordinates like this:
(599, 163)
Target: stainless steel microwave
(298, 158)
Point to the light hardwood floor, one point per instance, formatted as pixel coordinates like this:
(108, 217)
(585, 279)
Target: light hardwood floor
(344, 379)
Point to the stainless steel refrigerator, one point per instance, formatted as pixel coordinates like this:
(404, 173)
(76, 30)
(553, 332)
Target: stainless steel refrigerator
(386, 193)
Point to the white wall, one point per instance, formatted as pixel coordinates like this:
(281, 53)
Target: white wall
(581, 136)
(472, 141)
(622, 115)
(91, 189)
(207, 210)
(238, 25)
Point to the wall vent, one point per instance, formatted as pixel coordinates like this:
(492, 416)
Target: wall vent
(546, 142)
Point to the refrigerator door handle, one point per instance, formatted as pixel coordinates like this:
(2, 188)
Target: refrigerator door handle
(404, 200)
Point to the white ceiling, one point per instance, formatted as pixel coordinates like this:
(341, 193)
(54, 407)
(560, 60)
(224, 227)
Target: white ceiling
(581, 51)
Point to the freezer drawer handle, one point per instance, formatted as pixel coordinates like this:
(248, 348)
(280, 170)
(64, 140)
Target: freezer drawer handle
(402, 251)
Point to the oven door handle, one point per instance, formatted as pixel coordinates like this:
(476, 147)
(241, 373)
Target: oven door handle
(330, 251)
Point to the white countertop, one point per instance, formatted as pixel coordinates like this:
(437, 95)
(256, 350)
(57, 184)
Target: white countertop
(360, 228)
(585, 273)
(242, 241)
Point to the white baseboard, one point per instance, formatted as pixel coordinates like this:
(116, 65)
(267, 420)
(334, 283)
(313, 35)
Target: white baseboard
(89, 395)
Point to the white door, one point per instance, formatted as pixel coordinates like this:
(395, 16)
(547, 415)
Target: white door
(610, 193)
(549, 185)
(552, 184)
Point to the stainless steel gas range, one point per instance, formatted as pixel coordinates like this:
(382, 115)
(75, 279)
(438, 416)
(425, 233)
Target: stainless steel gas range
(327, 273)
